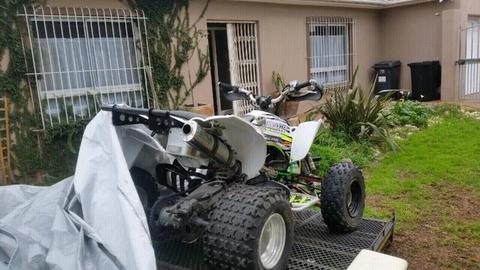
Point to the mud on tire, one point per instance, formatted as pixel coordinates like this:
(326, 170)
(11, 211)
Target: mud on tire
(343, 197)
(236, 222)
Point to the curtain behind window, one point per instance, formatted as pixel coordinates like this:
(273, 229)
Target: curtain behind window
(328, 63)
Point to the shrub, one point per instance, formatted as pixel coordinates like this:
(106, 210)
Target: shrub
(448, 109)
(409, 113)
(333, 147)
(358, 114)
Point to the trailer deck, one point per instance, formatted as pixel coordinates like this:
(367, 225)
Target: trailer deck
(314, 248)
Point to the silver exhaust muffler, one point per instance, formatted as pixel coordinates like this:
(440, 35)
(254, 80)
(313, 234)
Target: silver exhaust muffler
(211, 146)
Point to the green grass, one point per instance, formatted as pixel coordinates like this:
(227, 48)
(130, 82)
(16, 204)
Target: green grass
(444, 157)
(333, 147)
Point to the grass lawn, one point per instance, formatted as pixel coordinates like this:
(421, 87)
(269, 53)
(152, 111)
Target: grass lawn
(433, 185)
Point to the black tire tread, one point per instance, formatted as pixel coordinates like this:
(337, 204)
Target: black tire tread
(145, 180)
(332, 198)
(230, 239)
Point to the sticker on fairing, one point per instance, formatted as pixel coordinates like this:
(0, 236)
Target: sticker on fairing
(278, 126)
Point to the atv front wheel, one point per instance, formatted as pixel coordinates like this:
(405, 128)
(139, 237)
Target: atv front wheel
(343, 197)
(250, 228)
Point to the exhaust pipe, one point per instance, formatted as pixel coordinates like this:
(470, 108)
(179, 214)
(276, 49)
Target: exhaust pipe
(195, 136)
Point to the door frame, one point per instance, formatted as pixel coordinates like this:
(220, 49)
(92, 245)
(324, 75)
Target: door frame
(257, 49)
(211, 31)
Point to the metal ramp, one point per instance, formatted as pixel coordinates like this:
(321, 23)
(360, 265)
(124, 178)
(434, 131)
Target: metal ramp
(315, 248)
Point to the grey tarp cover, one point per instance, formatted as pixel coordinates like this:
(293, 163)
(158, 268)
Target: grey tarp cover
(92, 220)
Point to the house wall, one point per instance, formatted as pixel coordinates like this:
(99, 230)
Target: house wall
(5, 59)
(428, 31)
(283, 38)
(411, 34)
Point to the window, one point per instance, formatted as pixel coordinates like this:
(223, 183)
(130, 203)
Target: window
(330, 49)
(83, 58)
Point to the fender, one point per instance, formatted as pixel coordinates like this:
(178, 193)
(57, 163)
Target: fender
(249, 145)
(302, 139)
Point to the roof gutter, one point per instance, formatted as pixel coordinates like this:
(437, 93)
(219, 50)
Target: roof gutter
(368, 4)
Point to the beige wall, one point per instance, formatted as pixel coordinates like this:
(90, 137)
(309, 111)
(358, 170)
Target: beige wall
(411, 34)
(421, 32)
(282, 38)
(428, 31)
(5, 59)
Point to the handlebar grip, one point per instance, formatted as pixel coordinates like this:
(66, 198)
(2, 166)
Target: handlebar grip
(227, 87)
(302, 85)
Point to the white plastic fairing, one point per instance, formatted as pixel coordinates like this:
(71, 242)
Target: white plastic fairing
(249, 145)
(302, 139)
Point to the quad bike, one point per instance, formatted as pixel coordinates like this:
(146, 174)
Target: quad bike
(232, 182)
(289, 162)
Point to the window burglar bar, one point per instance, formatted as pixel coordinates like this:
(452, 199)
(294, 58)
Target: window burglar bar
(330, 49)
(469, 63)
(82, 58)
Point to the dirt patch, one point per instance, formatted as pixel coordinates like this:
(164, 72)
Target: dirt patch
(429, 244)
(422, 249)
(405, 175)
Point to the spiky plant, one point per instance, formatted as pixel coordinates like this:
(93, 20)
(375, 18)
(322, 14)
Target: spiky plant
(357, 113)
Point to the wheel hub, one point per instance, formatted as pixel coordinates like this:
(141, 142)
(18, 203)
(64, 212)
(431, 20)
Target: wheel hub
(353, 199)
(272, 241)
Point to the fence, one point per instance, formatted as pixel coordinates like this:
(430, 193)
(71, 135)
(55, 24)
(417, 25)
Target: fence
(82, 58)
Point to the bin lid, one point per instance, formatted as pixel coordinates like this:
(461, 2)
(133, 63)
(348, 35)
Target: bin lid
(424, 63)
(387, 64)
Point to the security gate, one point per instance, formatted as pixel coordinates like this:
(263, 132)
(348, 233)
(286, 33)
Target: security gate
(469, 62)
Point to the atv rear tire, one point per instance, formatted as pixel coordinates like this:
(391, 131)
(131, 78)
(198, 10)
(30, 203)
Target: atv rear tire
(249, 228)
(343, 197)
(145, 186)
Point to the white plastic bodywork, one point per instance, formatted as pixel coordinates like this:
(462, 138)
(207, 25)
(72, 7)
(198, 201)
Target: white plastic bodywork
(249, 145)
(302, 139)
(368, 259)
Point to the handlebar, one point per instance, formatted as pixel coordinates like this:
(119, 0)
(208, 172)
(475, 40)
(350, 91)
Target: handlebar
(302, 85)
(235, 93)
(238, 93)
(227, 87)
